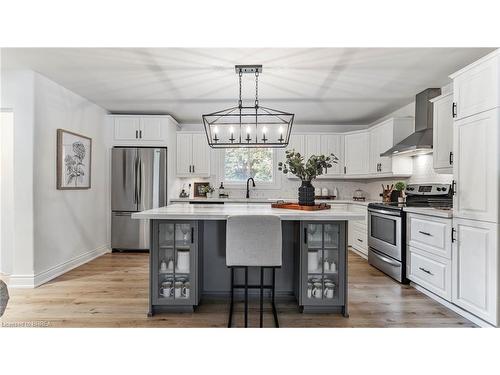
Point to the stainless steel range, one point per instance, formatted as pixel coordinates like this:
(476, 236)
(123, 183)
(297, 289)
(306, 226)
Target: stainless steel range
(387, 226)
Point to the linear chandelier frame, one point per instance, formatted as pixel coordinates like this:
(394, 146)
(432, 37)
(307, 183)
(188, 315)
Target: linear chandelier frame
(248, 126)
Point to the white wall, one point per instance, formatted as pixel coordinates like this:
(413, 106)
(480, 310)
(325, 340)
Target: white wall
(6, 191)
(17, 93)
(54, 230)
(68, 223)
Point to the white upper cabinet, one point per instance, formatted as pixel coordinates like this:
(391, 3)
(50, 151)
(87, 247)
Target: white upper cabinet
(313, 145)
(201, 155)
(296, 143)
(193, 155)
(356, 150)
(140, 130)
(151, 129)
(184, 154)
(476, 166)
(126, 128)
(319, 144)
(476, 88)
(443, 133)
(475, 268)
(333, 144)
(382, 137)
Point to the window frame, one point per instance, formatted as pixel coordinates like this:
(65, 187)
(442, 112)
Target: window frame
(259, 185)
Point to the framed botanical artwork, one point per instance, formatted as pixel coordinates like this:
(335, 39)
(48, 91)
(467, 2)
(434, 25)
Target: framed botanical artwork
(74, 160)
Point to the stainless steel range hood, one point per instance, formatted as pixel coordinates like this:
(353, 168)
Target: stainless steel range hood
(419, 142)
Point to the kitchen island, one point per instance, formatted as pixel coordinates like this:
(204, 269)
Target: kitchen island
(187, 257)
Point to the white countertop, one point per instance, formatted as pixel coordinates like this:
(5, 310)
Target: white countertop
(267, 200)
(221, 212)
(430, 211)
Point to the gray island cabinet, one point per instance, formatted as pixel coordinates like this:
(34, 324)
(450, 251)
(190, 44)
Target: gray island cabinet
(187, 257)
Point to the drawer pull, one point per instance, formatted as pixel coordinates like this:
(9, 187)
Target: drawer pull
(426, 271)
(359, 240)
(425, 233)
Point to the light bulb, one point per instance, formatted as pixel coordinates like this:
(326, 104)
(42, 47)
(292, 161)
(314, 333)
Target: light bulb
(264, 130)
(216, 129)
(281, 130)
(248, 129)
(231, 130)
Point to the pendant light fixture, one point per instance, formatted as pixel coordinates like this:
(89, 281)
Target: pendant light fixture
(248, 126)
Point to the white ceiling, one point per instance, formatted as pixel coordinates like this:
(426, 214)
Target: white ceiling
(321, 86)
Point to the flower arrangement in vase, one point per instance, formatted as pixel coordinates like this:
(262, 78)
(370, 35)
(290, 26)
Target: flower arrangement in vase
(307, 171)
(208, 190)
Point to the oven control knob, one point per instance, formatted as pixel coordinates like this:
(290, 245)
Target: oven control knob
(438, 189)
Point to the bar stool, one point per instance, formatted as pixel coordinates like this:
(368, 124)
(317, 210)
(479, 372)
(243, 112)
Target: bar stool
(253, 241)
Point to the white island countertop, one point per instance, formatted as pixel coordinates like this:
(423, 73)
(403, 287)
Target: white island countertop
(222, 212)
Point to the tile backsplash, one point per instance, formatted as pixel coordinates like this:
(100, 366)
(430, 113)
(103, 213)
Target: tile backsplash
(423, 172)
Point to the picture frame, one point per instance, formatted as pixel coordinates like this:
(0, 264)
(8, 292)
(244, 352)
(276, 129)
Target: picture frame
(196, 192)
(73, 161)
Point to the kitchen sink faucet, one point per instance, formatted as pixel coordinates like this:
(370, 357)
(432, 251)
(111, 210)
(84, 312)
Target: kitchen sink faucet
(248, 188)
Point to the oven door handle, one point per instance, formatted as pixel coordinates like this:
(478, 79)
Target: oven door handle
(385, 212)
(387, 260)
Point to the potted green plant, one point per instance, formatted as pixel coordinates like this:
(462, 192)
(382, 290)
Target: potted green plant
(208, 190)
(400, 187)
(307, 171)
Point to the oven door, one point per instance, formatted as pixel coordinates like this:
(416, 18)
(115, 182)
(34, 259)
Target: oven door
(384, 232)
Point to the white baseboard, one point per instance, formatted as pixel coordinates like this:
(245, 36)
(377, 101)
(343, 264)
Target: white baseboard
(474, 319)
(358, 252)
(32, 281)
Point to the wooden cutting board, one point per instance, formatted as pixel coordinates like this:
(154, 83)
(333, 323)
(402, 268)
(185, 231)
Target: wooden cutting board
(296, 206)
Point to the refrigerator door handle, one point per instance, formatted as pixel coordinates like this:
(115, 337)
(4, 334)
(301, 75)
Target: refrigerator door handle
(139, 200)
(136, 197)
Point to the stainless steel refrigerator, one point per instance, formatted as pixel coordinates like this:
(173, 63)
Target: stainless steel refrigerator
(139, 182)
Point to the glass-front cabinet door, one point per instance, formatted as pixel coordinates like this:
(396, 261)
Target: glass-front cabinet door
(322, 262)
(174, 263)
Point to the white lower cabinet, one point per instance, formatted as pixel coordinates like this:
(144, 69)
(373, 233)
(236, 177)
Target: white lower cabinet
(429, 253)
(357, 230)
(475, 271)
(430, 271)
(359, 239)
(429, 233)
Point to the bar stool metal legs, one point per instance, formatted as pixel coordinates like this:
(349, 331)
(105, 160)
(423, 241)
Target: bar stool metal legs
(261, 297)
(232, 299)
(261, 288)
(246, 297)
(272, 300)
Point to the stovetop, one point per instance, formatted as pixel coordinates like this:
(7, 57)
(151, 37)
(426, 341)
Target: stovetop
(439, 196)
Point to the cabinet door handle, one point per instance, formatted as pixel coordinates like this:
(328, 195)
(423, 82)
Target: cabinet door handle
(192, 234)
(305, 236)
(454, 109)
(189, 169)
(345, 169)
(136, 134)
(360, 240)
(193, 168)
(453, 187)
(453, 230)
(426, 271)
(140, 134)
(425, 233)
(451, 158)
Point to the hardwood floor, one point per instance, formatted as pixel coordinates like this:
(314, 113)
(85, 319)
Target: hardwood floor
(112, 291)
